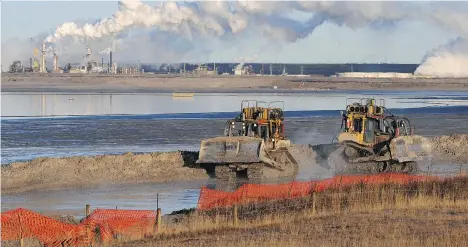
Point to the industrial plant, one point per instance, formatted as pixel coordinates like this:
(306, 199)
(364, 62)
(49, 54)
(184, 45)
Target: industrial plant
(96, 63)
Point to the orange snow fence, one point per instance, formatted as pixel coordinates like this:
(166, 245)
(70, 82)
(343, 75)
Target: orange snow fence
(22, 223)
(103, 224)
(210, 199)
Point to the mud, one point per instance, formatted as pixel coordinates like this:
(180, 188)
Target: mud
(75, 172)
(450, 149)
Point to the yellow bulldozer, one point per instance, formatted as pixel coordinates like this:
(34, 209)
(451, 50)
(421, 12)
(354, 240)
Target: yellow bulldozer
(373, 139)
(252, 142)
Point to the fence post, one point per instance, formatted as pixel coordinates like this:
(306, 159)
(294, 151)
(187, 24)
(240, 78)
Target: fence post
(314, 199)
(158, 220)
(87, 210)
(434, 191)
(21, 230)
(235, 215)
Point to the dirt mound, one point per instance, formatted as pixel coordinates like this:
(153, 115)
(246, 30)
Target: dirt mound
(80, 171)
(450, 149)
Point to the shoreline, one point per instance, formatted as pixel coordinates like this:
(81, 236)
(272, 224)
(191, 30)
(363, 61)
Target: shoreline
(219, 84)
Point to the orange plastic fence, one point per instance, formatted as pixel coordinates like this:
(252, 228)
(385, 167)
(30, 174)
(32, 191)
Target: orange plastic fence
(22, 223)
(128, 223)
(210, 199)
(103, 223)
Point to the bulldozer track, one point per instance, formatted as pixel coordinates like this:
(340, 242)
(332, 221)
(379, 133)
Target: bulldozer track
(225, 173)
(255, 172)
(341, 164)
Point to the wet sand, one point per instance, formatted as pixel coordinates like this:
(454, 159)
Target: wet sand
(169, 83)
(92, 171)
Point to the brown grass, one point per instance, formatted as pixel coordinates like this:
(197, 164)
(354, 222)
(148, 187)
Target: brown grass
(417, 214)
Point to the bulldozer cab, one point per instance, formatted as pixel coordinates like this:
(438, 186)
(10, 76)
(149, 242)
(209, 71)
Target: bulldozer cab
(368, 123)
(258, 119)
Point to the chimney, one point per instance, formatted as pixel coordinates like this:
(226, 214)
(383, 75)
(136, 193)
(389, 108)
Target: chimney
(55, 63)
(43, 66)
(110, 59)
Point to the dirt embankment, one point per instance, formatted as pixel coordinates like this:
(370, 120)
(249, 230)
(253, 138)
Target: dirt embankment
(73, 172)
(450, 149)
(148, 83)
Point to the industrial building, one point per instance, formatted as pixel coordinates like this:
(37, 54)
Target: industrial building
(374, 75)
(204, 70)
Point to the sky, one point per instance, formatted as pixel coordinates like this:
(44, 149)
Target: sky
(404, 42)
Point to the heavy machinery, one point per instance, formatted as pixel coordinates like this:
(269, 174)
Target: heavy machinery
(373, 139)
(252, 141)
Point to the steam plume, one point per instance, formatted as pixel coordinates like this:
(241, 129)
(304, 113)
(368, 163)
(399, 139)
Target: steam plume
(450, 60)
(182, 30)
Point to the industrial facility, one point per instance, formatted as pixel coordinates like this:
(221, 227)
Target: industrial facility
(96, 64)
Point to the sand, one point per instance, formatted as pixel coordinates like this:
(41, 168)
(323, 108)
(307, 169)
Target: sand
(75, 172)
(450, 149)
(158, 83)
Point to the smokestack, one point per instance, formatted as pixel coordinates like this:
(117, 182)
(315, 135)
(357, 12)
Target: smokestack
(30, 63)
(55, 63)
(43, 67)
(110, 59)
(102, 62)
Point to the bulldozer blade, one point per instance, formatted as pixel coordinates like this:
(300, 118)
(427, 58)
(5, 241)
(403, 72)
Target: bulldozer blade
(244, 150)
(224, 150)
(410, 148)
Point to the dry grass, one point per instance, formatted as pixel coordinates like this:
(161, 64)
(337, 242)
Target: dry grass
(417, 214)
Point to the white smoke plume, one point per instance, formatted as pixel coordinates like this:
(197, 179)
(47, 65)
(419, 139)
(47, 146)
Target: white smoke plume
(171, 31)
(447, 61)
(220, 18)
(105, 51)
(243, 60)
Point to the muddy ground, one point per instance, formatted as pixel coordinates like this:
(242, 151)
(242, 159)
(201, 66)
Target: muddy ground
(83, 171)
(74, 172)
(154, 83)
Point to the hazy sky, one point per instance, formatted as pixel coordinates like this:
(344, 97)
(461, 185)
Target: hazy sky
(405, 42)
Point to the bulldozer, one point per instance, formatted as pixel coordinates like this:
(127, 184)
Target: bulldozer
(253, 141)
(375, 140)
